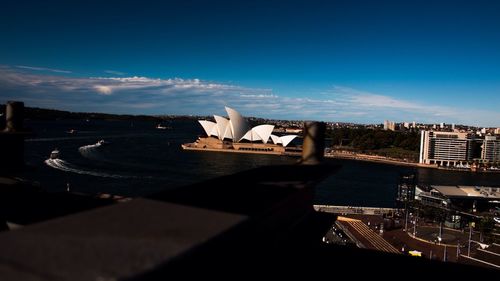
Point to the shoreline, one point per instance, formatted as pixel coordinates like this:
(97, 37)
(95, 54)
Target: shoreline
(384, 160)
(376, 159)
(333, 155)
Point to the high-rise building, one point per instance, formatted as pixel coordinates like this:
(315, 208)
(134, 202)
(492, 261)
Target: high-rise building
(445, 148)
(389, 125)
(490, 151)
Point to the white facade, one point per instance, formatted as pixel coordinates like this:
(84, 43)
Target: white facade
(490, 149)
(389, 125)
(444, 148)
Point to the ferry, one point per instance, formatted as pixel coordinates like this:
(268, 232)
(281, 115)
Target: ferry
(101, 142)
(54, 154)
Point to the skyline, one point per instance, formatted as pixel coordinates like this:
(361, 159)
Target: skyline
(358, 61)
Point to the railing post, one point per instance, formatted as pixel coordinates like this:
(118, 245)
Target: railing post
(14, 114)
(313, 148)
(12, 138)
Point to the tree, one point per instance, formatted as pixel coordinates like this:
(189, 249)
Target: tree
(486, 225)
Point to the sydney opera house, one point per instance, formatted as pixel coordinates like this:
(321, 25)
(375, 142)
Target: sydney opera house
(236, 135)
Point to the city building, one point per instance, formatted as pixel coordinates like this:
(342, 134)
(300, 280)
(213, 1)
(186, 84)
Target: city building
(446, 148)
(389, 125)
(490, 150)
(457, 149)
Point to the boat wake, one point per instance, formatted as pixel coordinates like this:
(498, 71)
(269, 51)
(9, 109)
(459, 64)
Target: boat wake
(68, 167)
(90, 152)
(95, 152)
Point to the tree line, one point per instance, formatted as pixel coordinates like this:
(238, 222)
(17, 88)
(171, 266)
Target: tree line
(368, 139)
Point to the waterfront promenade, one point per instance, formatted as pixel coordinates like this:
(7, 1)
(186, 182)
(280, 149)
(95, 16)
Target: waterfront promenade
(375, 158)
(395, 161)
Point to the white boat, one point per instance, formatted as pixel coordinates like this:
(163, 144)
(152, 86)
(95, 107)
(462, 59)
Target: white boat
(101, 142)
(54, 154)
(161, 127)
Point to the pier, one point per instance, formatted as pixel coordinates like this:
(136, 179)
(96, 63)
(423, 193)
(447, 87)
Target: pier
(355, 210)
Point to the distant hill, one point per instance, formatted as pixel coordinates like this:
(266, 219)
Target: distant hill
(36, 113)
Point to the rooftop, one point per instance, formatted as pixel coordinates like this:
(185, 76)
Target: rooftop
(468, 191)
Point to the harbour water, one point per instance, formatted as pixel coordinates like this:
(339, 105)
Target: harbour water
(140, 159)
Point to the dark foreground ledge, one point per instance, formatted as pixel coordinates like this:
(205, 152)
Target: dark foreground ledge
(234, 213)
(234, 226)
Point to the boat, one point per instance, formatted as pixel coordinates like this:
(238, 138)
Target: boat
(101, 142)
(54, 154)
(161, 127)
(72, 131)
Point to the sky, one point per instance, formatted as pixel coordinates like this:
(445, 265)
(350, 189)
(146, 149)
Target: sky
(346, 61)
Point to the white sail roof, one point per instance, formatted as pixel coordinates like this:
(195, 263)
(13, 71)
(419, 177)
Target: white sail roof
(263, 131)
(223, 127)
(239, 126)
(285, 140)
(275, 139)
(251, 136)
(208, 126)
(215, 131)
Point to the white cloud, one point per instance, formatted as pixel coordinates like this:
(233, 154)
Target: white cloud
(43, 69)
(260, 96)
(114, 72)
(105, 90)
(144, 95)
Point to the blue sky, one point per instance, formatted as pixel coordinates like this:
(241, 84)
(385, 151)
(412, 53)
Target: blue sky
(351, 61)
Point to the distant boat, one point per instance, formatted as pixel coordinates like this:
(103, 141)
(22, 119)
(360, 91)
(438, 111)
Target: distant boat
(101, 142)
(161, 127)
(54, 154)
(72, 131)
